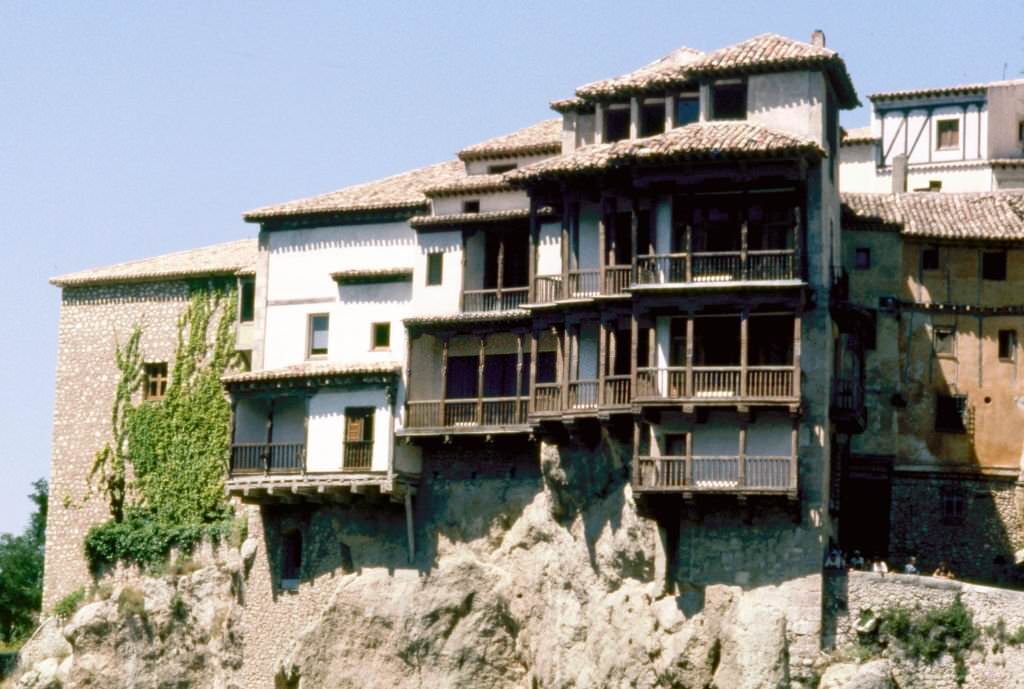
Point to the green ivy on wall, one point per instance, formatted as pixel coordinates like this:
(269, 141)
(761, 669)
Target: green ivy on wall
(176, 448)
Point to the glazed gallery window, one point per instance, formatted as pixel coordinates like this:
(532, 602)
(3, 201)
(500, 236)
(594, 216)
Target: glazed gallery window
(947, 134)
(435, 269)
(155, 384)
(687, 108)
(319, 325)
(471, 206)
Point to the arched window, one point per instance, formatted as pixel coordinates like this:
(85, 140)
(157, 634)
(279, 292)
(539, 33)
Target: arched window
(291, 559)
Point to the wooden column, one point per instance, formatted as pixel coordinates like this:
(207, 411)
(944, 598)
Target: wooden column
(634, 230)
(602, 245)
(689, 253)
(796, 355)
(602, 359)
(480, 381)
(410, 529)
(534, 248)
(741, 479)
(689, 458)
(794, 454)
(744, 350)
(636, 452)
(574, 353)
(670, 111)
(270, 436)
(744, 269)
(566, 221)
(501, 269)
(534, 352)
(634, 340)
(444, 379)
(563, 367)
(519, 374)
(689, 355)
(798, 241)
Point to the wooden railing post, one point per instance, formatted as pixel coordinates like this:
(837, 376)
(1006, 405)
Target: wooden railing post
(519, 374)
(444, 379)
(689, 392)
(689, 459)
(744, 350)
(741, 479)
(689, 253)
(480, 381)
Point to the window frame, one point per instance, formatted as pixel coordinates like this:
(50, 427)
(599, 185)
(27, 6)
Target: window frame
(289, 539)
(949, 330)
(686, 96)
(985, 268)
(471, 206)
(940, 125)
(930, 251)
(859, 253)
(374, 329)
(431, 279)
(160, 379)
(310, 319)
(618, 109)
(646, 105)
(246, 295)
(712, 109)
(1011, 339)
(501, 168)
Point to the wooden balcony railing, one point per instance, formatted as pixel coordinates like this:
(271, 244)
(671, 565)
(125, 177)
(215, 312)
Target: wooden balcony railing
(662, 269)
(617, 279)
(773, 264)
(584, 283)
(489, 300)
(466, 413)
(616, 391)
(358, 456)
(715, 382)
(713, 473)
(583, 394)
(716, 266)
(661, 383)
(268, 458)
(770, 382)
(547, 289)
(547, 398)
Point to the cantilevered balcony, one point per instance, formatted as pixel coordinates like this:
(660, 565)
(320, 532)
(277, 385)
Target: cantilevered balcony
(711, 383)
(495, 276)
(697, 473)
(483, 300)
(268, 458)
(716, 267)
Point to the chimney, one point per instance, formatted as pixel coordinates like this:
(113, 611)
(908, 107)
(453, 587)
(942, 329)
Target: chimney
(818, 38)
(899, 174)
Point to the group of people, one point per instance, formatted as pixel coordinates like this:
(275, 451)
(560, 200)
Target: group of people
(836, 559)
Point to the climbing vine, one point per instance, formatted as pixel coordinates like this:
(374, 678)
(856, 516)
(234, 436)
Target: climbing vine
(175, 449)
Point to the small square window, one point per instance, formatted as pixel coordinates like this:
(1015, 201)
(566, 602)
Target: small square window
(616, 124)
(381, 336)
(929, 258)
(944, 340)
(155, 384)
(993, 265)
(1008, 345)
(246, 299)
(951, 413)
(954, 506)
(471, 206)
(729, 100)
(652, 117)
(862, 258)
(499, 168)
(687, 108)
(319, 325)
(435, 269)
(947, 134)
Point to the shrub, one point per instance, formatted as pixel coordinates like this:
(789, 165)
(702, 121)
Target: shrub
(69, 604)
(132, 601)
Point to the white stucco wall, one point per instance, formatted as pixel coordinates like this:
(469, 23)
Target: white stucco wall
(488, 202)
(443, 298)
(899, 136)
(325, 445)
(549, 252)
(792, 102)
(1006, 112)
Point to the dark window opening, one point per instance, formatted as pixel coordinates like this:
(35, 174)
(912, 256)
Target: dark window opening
(951, 413)
(500, 168)
(944, 341)
(644, 236)
(435, 268)
(954, 506)
(930, 258)
(291, 559)
(687, 109)
(716, 341)
(948, 134)
(616, 124)
(621, 361)
(1008, 345)
(729, 100)
(471, 206)
(247, 300)
(358, 438)
(155, 384)
(993, 265)
(620, 239)
(461, 379)
(547, 367)
(515, 267)
(862, 258)
(675, 444)
(345, 558)
(381, 335)
(677, 342)
(770, 340)
(319, 325)
(652, 118)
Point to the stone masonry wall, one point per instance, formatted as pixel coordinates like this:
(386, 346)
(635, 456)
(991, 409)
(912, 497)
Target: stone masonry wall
(92, 321)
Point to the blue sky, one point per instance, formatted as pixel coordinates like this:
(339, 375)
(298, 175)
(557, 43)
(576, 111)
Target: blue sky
(130, 130)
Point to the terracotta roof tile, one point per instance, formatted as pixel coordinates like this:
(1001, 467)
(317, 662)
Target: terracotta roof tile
(475, 218)
(990, 216)
(396, 192)
(697, 141)
(514, 315)
(470, 184)
(942, 91)
(312, 369)
(543, 137)
(857, 136)
(372, 275)
(229, 258)
(664, 71)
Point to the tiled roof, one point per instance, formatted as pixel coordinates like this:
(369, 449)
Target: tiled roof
(764, 53)
(312, 369)
(228, 258)
(991, 216)
(696, 141)
(664, 71)
(372, 275)
(397, 192)
(475, 218)
(858, 136)
(942, 91)
(513, 315)
(573, 104)
(543, 137)
(470, 184)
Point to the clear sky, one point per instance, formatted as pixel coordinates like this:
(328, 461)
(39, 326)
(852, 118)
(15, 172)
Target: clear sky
(134, 129)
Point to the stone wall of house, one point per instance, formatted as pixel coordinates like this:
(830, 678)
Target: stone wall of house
(92, 321)
(978, 544)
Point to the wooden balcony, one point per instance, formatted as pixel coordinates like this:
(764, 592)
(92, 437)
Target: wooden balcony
(471, 415)
(716, 267)
(617, 280)
(267, 458)
(714, 383)
(715, 474)
(357, 456)
(584, 284)
(492, 300)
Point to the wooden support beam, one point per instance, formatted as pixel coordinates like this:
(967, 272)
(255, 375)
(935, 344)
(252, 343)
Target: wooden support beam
(602, 357)
(741, 479)
(689, 354)
(603, 249)
(796, 354)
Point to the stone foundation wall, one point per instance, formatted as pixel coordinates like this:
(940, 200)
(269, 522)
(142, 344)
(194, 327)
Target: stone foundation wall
(979, 546)
(92, 321)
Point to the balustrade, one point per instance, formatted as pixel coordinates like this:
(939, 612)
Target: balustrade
(490, 300)
(270, 458)
(711, 473)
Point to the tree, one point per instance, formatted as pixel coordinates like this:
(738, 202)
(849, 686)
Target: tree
(21, 571)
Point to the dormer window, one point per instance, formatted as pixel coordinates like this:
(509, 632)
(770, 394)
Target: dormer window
(947, 134)
(652, 117)
(471, 206)
(687, 108)
(729, 99)
(616, 123)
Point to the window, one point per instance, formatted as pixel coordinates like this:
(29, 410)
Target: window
(246, 300)
(1020, 131)
(616, 124)
(675, 445)
(435, 269)
(944, 340)
(155, 384)
(947, 134)
(1008, 345)
(993, 265)
(381, 336)
(652, 117)
(319, 324)
(500, 168)
(687, 108)
(929, 258)
(291, 559)
(862, 258)
(954, 506)
(729, 100)
(471, 206)
(358, 438)
(951, 413)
